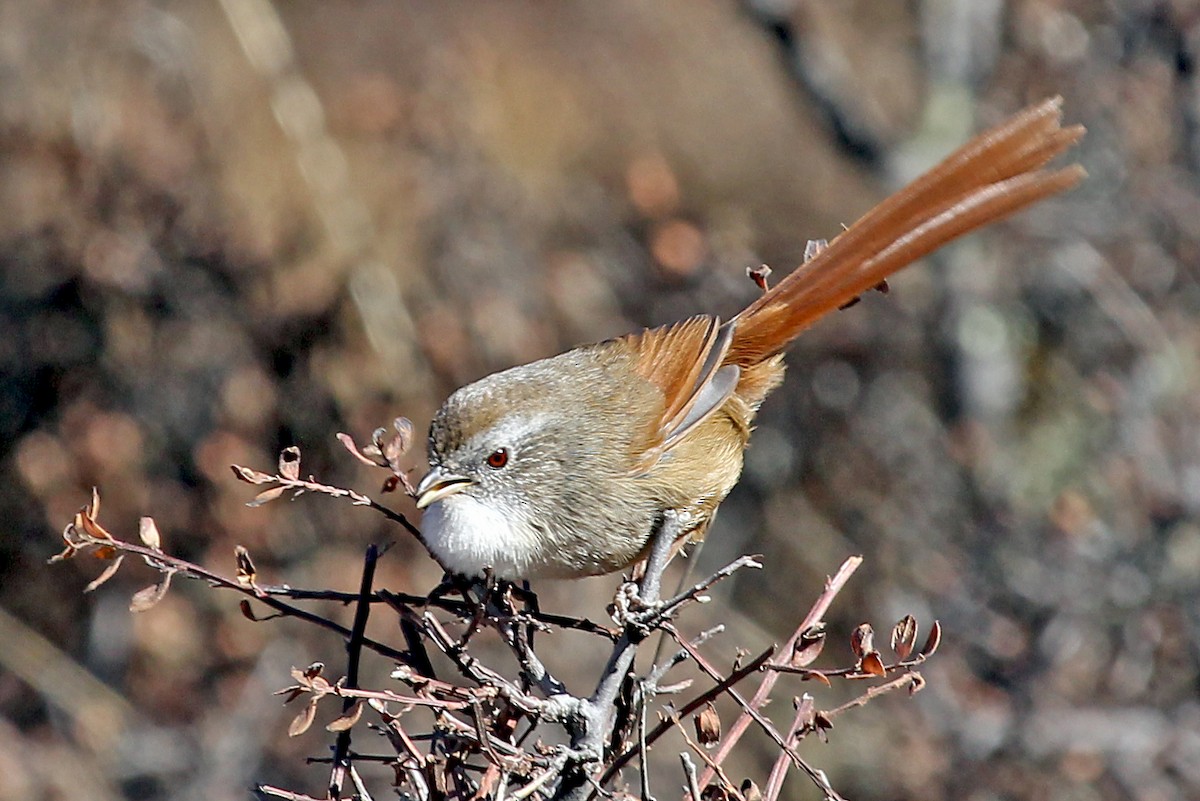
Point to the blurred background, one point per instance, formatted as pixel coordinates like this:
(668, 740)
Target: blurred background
(228, 227)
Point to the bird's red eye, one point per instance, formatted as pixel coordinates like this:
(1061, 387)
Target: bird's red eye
(498, 458)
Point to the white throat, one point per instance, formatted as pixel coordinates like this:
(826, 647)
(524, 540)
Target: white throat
(467, 536)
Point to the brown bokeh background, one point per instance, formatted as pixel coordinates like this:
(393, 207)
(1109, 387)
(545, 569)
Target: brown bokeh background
(227, 227)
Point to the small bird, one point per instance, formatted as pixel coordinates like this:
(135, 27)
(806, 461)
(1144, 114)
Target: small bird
(567, 467)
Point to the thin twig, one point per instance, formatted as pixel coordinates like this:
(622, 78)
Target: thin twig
(691, 706)
(689, 770)
(726, 782)
(912, 680)
(833, 586)
(341, 747)
(165, 562)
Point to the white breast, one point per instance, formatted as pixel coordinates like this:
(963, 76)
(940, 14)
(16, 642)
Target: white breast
(466, 536)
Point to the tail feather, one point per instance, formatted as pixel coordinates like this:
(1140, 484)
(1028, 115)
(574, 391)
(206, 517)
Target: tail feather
(995, 174)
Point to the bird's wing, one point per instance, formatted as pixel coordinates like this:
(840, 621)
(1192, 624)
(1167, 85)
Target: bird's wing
(684, 361)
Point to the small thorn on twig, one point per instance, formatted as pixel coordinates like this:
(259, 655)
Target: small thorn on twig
(759, 276)
(813, 247)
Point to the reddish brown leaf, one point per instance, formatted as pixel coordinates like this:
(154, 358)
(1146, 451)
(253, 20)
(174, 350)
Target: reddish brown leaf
(105, 552)
(108, 573)
(808, 646)
(904, 635)
(245, 566)
(872, 664)
(289, 462)
(250, 476)
(817, 675)
(708, 725)
(933, 640)
(390, 484)
(247, 612)
(86, 521)
(266, 496)
(148, 597)
(304, 720)
(347, 720)
(148, 531)
(862, 640)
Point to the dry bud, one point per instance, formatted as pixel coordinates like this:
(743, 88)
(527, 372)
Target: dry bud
(904, 635)
(933, 640)
(289, 462)
(808, 646)
(862, 640)
(708, 725)
(245, 566)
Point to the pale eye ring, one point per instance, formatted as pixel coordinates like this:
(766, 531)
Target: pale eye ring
(497, 458)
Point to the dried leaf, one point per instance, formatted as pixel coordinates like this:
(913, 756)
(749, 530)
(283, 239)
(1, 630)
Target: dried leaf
(904, 635)
(390, 484)
(105, 552)
(805, 710)
(65, 553)
(304, 720)
(750, 790)
(347, 720)
(94, 509)
(245, 566)
(404, 436)
(818, 676)
(313, 670)
(708, 725)
(808, 646)
(86, 521)
(148, 531)
(250, 476)
(148, 597)
(266, 496)
(292, 694)
(289, 462)
(933, 640)
(247, 612)
(349, 444)
(918, 683)
(862, 640)
(872, 664)
(108, 573)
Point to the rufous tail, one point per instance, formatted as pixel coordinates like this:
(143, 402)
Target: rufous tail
(993, 175)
